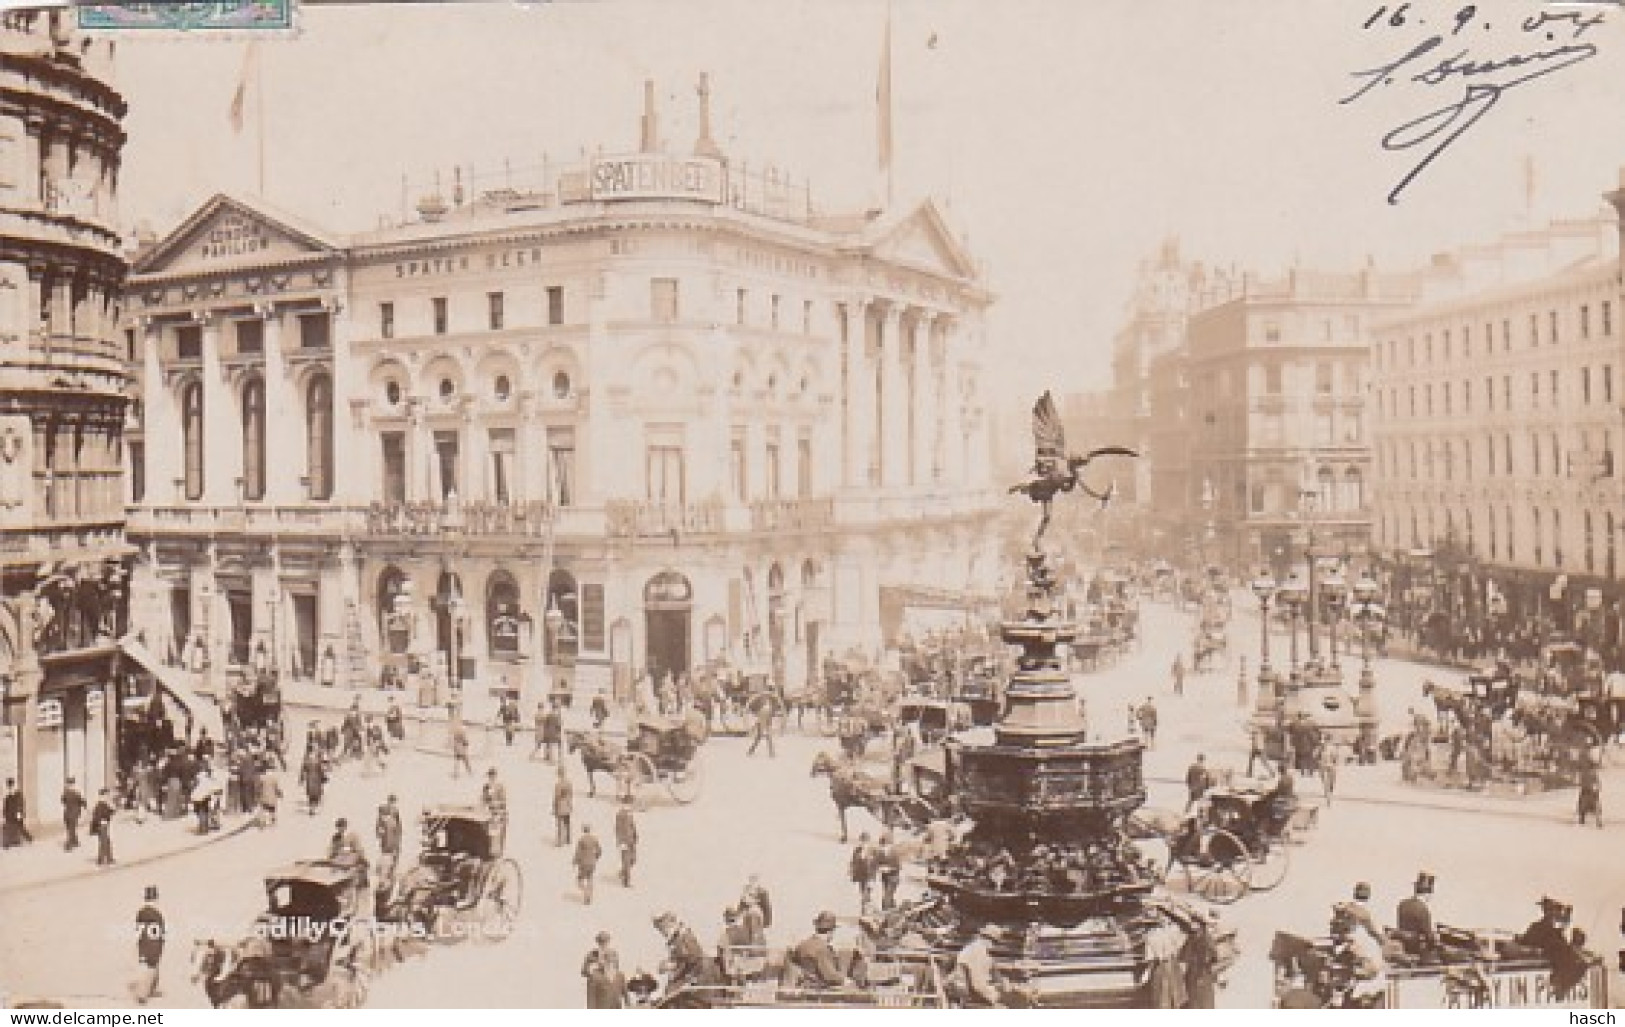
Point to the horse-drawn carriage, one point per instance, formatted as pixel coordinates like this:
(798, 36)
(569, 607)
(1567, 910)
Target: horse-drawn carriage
(661, 753)
(887, 979)
(460, 873)
(313, 947)
(1234, 841)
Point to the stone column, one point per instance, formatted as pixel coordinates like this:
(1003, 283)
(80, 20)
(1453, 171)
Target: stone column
(936, 459)
(349, 437)
(222, 424)
(860, 398)
(161, 428)
(892, 409)
(285, 449)
(530, 462)
(419, 451)
(953, 411)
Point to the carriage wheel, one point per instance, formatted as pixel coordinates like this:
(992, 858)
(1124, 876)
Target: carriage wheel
(1223, 874)
(1270, 865)
(644, 775)
(500, 900)
(685, 784)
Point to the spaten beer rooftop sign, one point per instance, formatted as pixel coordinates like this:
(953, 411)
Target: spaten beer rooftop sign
(649, 176)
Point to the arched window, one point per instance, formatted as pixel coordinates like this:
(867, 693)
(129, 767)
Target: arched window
(254, 439)
(1557, 537)
(1534, 529)
(1354, 485)
(1512, 536)
(192, 438)
(1493, 552)
(503, 615)
(563, 642)
(1323, 483)
(319, 437)
(1591, 556)
(809, 574)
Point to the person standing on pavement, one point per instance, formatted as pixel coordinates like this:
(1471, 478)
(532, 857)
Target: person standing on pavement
(73, 807)
(494, 797)
(626, 839)
(101, 825)
(1178, 673)
(1197, 781)
(1590, 802)
(270, 796)
(588, 852)
(606, 984)
(389, 832)
(459, 751)
(1147, 716)
(563, 805)
(889, 863)
(539, 722)
(863, 868)
(15, 828)
(150, 935)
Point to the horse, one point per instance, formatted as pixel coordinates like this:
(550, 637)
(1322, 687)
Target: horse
(850, 787)
(598, 754)
(221, 972)
(1447, 702)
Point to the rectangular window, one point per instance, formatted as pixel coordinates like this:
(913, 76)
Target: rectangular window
(189, 343)
(502, 455)
(1323, 429)
(804, 468)
(1534, 387)
(1272, 332)
(1447, 345)
(663, 300)
(1554, 389)
(493, 310)
(775, 311)
(1352, 422)
(806, 317)
(1607, 317)
(1447, 399)
(1506, 335)
(1608, 383)
(737, 467)
(315, 331)
(1272, 379)
(1534, 453)
(1489, 394)
(664, 464)
(1430, 400)
(1585, 385)
(1585, 321)
(1466, 397)
(561, 466)
(592, 618)
(772, 469)
(441, 315)
(1466, 343)
(1413, 400)
(739, 306)
(1534, 330)
(138, 471)
(129, 344)
(1323, 377)
(241, 605)
(445, 462)
(394, 453)
(386, 320)
(250, 336)
(555, 304)
(1552, 320)
(1506, 392)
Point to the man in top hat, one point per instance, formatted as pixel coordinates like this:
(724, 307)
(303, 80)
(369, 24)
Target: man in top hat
(150, 934)
(494, 797)
(101, 825)
(73, 807)
(1550, 937)
(626, 840)
(1360, 909)
(389, 831)
(685, 962)
(15, 830)
(606, 984)
(815, 958)
(1413, 920)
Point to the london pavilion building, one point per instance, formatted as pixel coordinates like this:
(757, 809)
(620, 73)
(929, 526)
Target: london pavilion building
(654, 412)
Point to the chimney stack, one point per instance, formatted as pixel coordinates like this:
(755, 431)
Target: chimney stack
(651, 135)
(705, 146)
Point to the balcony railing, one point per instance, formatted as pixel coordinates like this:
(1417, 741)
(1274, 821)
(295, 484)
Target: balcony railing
(527, 519)
(791, 514)
(627, 518)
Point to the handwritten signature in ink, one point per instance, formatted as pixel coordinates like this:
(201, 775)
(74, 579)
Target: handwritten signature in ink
(1430, 64)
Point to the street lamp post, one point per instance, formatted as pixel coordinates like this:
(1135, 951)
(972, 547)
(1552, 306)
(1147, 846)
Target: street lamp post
(1368, 613)
(1265, 588)
(1293, 594)
(1335, 592)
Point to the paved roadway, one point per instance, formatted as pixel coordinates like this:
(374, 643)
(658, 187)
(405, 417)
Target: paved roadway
(1494, 857)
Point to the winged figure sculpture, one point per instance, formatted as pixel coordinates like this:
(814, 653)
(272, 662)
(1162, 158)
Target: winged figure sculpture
(1055, 470)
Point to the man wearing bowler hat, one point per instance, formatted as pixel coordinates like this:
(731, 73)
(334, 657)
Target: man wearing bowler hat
(150, 934)
(815, 958)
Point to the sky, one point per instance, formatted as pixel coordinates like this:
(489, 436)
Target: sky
(1066, 138)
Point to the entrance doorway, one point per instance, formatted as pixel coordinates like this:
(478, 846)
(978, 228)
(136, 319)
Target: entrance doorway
(668, 610)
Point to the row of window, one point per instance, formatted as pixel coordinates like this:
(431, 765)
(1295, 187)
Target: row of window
(496, 312)
(315, 332)
(1594, 387)
(194, 468)
(1423, 464)
(1325, 379)
(1502, 535)
(1388, 357)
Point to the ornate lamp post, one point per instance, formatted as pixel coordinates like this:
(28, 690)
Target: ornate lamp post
(1294, 595)
(1265, 588)
(1334, 593)
(1368, 614)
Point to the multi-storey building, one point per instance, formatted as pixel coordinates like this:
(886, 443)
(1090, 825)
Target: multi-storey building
(1498, 402)
(1277, 411)
(62, 408)
(650, 413)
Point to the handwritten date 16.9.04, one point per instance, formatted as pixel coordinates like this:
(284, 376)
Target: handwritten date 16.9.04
(1435, 63)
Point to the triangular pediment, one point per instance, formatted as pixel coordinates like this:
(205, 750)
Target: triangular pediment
(228, 233)
(922, 240)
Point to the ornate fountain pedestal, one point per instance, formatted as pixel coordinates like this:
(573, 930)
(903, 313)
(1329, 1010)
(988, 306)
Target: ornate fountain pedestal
(1048, 863)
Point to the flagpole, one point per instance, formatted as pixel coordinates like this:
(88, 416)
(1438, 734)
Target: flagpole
(259, 117)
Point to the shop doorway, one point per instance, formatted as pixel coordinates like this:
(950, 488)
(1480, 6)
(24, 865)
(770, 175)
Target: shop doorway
(668, 610)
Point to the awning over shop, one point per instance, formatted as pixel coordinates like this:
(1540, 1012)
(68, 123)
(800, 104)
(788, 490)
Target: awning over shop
(200, 713)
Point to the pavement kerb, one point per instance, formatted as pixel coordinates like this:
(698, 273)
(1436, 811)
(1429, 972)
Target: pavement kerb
(95, 871)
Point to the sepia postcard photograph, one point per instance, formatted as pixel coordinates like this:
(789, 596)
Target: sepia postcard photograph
(812, 504)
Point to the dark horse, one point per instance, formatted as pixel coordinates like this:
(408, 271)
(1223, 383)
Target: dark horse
(235, 985)
(850, 787)
(598, 755)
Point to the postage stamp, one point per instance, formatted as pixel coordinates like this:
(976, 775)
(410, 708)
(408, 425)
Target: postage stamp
(208, 18)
